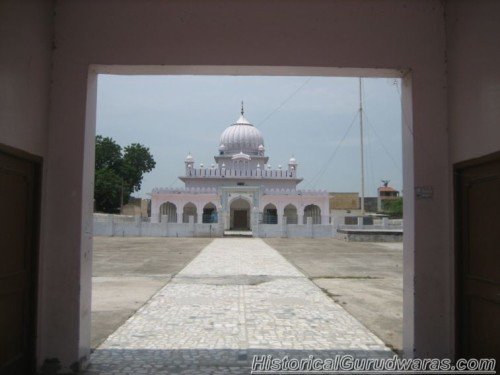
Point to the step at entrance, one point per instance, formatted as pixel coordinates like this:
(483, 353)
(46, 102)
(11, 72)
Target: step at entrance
(238, 233)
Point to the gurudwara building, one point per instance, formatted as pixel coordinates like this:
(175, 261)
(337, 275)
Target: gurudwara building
(241, 191)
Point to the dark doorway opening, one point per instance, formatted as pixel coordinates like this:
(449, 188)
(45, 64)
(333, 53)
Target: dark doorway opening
(477, 204)
(19, 220)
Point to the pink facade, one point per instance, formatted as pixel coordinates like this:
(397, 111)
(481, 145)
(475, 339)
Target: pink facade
(241, 173)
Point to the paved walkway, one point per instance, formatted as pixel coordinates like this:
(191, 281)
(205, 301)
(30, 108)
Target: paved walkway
(237, 298)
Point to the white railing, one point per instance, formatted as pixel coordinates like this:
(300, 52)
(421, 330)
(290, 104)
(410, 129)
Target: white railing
(213, 190)
(247, 173)
(295, 192)
(192, 190)
(378, 224)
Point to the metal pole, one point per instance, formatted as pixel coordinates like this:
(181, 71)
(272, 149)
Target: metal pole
(362, 147)
(121, 200)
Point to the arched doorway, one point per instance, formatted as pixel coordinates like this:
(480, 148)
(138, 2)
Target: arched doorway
(312, 211)
(170, 210)
(270, 214)
(189, 210)
(209, 213)
(290, 213)
(240, 214)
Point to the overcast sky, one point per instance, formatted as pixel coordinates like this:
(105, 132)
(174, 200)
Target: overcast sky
(304, 116)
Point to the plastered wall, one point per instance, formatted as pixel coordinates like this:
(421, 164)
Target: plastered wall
(473, 37)
(450, 113)
(248, 37)
(25, 51)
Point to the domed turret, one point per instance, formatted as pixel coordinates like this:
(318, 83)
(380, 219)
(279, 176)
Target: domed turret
(292, 165)
(189, 161)
(243, 137)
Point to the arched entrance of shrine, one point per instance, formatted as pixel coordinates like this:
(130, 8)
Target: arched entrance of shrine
(240, 214)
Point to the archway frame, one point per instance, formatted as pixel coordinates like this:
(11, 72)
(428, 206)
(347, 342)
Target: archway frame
(269, 218)
(211, 204)
(418, 170)
(231, 211)
(406, 76)
(170, 218)
(295, 217)
(316, 219)
(185, 215)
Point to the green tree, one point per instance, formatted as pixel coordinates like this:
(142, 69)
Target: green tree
(394, 207)
(107, 191)
(118, 174)
(137, 160)
(108, 154)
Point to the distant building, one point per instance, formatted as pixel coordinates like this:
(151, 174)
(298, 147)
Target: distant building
(240, 189)
(371, 204)
(136, 207)
(385, 193)
(344, 201)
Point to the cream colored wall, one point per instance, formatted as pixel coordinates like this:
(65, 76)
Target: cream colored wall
(25, 51)
(354, 34)
(388, 34)
(473, 37)
(344, 201)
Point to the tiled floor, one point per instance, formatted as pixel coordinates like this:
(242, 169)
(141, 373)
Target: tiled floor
(237, 298)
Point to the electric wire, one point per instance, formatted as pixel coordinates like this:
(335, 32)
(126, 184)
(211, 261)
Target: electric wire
(285, 101)
(382, 143)
(316, 178)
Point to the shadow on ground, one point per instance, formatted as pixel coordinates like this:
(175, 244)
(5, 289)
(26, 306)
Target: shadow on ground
(204, 361)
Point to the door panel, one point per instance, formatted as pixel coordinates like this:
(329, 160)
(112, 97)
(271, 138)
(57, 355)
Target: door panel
(18, 223)
(478, 244)
(240, 219)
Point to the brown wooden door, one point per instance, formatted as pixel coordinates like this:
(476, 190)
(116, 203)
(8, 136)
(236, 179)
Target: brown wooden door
(478, 244)
(18, 224)
(240, 219)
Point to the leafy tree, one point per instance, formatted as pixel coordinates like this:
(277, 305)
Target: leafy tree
(107, 191)
(108, 154)
(137, 160)
(118, 174)
(394, 207)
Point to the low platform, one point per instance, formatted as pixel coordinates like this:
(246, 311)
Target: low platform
(238, 233)
(370, 235)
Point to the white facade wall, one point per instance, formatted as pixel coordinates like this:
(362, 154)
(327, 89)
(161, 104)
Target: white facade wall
(119, 226)
(280, 198)
(180, 200)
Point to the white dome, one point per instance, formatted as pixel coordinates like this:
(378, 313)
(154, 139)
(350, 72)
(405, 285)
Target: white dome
(292, 160)
(241, 136)
(189, 158)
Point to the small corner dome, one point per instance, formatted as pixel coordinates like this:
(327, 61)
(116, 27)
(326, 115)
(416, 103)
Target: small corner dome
(292, 161)
(261, 148)
(189, 158)
(222, 147)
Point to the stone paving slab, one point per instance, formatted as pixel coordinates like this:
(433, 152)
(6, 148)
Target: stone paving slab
(238, 297)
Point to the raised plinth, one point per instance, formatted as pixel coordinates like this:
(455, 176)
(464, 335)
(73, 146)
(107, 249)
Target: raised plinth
(238, 233)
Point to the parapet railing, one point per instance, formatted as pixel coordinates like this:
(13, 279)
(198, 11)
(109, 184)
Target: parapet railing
(193, 190)
(248, 173)
(376, 224)
(213, 190)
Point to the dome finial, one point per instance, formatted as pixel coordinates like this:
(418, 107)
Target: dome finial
(242, 109)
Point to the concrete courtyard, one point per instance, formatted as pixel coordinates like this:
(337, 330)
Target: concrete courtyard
(213, 303)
